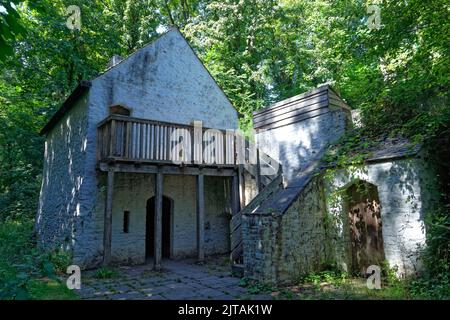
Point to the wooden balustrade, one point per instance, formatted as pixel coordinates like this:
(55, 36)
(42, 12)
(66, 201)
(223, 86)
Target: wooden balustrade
(124, 138)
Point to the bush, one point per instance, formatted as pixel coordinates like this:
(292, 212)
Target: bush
(25, 271)
(433, 283)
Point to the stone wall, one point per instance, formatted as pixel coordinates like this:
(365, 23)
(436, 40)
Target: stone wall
(250, 187)
(61, 200)
(131, 192)
(407, 192)
(297, 144)
(305, 246)
(281, 247)
(163, 81)
(259, 236)
(313, 232)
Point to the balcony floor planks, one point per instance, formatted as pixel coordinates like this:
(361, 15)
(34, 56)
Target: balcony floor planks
(166, 168)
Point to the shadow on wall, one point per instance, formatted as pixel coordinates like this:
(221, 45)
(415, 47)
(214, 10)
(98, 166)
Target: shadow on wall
(60, 206)
(404, 199)
(297, 145)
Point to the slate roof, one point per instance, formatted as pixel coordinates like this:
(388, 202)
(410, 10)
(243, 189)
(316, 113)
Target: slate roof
(282, 199)
(81, 88)
(392, 148)
(383, 150)
(388, 149)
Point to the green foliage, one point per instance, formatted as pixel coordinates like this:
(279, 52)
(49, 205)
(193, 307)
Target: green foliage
(350, 150)
(106, 273)
(437, 253)
(11, 28)
(332, 277)
(259, 52)
(434, 282)
(25, 272)
(50, 290)
(255, 287)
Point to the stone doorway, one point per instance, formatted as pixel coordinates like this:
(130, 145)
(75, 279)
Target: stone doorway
(167, 208)
(366, 238)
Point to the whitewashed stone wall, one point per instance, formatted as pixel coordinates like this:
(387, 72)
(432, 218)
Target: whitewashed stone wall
(313, 232)
(407, 192)
(296, 145)
(131, 192)
(61, 201)
(163, 81)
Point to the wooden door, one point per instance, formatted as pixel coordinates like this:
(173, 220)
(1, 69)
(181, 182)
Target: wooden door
(366, 238)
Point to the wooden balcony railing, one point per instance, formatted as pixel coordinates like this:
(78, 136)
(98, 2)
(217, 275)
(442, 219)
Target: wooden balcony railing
(123, 138)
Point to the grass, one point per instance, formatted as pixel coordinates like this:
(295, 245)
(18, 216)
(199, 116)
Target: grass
(25, 272)
(49, 289)
(333, 285)
(106, 273)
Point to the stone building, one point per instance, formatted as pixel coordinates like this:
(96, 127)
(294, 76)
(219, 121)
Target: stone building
(125, 179)
(107, 165)
(348, 218)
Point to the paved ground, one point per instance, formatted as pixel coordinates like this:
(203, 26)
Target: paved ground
(178, 280)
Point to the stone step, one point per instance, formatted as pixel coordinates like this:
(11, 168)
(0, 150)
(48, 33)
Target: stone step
(238, 270)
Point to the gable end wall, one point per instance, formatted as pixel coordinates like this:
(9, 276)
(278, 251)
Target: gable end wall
(60, 202)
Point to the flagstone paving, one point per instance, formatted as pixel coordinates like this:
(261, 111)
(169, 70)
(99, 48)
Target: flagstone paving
(178, 280)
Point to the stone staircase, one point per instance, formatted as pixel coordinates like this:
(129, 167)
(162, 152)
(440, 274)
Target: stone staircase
(276, 195)
(267, 185)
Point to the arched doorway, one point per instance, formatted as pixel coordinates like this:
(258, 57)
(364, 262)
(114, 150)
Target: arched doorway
(150, 227)
(366, 238)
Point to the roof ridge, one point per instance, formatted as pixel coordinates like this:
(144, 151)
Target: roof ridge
(162, 35)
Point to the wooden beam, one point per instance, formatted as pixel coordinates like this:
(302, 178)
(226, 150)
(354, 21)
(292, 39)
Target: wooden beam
(300, 113)
(241, 179)
(112, 137)
(128, 140)
(221, 171)
(235, 205)
(200, 218)
(258, 172)
(158, 220)
(292, 120)
(290, 100)
(292, 110)
(107, 230)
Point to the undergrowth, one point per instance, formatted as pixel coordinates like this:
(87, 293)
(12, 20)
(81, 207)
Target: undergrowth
(25, 271)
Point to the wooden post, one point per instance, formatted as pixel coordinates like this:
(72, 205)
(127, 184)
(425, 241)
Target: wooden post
(128, 140)
(235, 205)
(112, 141)
(258, 172)
(158, 220)
(241, 179)
(107, 231)
(200, 218)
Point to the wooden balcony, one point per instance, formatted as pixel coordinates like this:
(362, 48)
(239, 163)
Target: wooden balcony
(132, 140)
(131, 145)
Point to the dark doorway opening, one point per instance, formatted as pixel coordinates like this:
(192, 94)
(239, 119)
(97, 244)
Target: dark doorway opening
(366, 238)
(150, 227)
